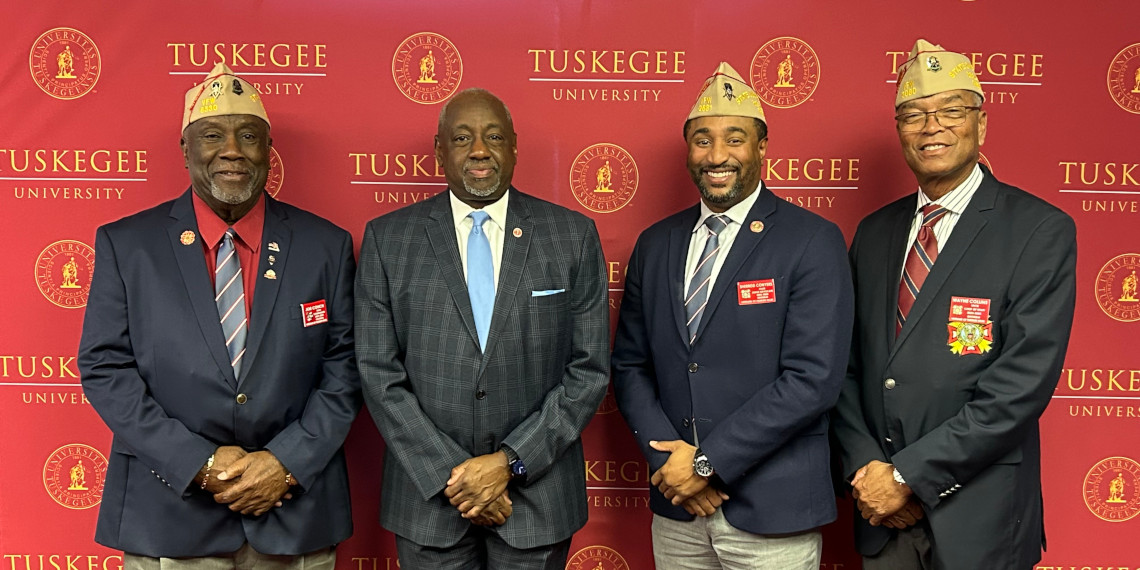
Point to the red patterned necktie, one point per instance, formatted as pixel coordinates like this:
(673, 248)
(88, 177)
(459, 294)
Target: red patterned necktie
(921, 257)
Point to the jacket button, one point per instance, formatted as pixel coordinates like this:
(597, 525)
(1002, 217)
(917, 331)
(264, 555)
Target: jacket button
(480, 394)
(693, 367)
(241, 399)
(889, 384)
(685, 422)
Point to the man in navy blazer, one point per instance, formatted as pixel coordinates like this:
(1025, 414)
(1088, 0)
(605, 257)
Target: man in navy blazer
(227, 427)
(731, 346)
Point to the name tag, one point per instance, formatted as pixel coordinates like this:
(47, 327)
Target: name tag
(756, 292)
(314, 313)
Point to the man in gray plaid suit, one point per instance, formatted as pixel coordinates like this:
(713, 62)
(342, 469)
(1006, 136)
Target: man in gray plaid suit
(483, 343)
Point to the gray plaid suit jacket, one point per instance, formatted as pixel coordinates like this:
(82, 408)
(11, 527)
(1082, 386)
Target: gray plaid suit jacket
(438, 400)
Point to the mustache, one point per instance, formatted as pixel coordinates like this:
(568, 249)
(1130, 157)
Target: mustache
(480, 164)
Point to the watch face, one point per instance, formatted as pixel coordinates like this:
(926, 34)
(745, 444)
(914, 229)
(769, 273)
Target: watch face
(518, 469)
(702, 466)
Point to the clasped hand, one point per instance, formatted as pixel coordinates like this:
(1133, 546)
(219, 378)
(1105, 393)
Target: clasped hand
(882, 500)
(680, 484)
(249, 483)
(480, 483)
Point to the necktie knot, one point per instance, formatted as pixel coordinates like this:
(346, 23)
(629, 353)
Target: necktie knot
(717, 224)
(931, 213)
(477, 219)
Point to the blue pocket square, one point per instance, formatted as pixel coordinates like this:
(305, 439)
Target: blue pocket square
(546, 292)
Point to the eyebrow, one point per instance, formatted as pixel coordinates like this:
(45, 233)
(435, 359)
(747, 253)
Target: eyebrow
(911, 106)
(729, 129)
(468, 127)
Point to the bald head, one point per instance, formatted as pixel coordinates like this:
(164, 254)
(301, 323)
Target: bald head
(477, 92)
(475, 144)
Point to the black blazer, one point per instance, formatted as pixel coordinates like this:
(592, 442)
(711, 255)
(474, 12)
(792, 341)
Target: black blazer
(962, 428)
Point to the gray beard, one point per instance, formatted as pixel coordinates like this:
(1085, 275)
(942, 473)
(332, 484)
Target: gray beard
(233, 199)
(481, 193)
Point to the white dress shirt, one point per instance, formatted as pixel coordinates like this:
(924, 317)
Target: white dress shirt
(954, 201)
(493, 227)
(738, 214)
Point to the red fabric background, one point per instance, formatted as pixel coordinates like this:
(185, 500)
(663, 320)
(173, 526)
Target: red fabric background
(351, 145)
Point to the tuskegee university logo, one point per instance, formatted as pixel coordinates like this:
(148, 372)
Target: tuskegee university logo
(65, 63)
(276, 176)
(1112, 489)
(1124, 78)
(74, 475)
(785, 72)
(603, 178)
(63, 273)
(427, 68)
(1116, 288)
(597, 557)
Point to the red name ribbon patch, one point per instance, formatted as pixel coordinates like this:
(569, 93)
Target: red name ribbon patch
(756, 292)
(314, 313)
(970, 329)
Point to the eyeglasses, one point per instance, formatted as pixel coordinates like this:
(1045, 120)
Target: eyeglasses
(946, 116)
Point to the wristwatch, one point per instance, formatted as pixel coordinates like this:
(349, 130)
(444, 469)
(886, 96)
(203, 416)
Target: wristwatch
(898, 477)
(701, 465)
(514, 463)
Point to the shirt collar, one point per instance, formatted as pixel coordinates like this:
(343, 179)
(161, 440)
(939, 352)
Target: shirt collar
(737, 213)
(956, 199)
(212, 228)
(497, 210)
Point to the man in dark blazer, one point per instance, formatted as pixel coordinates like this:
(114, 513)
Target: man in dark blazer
(964, 299)
(731, 345)
(483, 355)
(227, 427)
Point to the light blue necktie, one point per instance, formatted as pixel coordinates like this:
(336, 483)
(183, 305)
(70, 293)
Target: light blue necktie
(229, 294)
(480, 276)
(698, 292)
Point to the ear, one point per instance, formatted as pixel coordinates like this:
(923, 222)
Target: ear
(438, 151)
(982, 127)
(185, 153)
(762, 147)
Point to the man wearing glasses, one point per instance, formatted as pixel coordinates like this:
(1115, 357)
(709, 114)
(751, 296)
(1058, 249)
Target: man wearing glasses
(964, 296)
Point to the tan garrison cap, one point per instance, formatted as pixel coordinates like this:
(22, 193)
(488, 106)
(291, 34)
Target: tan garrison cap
(222, 93)
(931, 69)
(726, 94)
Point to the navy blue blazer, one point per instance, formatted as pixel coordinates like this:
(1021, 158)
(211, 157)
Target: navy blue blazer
(153, 363)
(759, 379)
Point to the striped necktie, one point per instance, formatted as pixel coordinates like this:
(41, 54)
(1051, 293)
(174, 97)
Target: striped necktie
(229, 295)
(480, 276)
(919, 259)
(698, 292)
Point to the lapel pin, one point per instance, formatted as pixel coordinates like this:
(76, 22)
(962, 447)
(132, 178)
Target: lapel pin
(273, 246)
(187, 237)
(270, 274)
(756, 226)
(272, 260)
(517, 233)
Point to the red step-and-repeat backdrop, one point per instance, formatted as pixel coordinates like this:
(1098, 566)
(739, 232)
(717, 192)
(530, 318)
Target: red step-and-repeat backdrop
(90, 103)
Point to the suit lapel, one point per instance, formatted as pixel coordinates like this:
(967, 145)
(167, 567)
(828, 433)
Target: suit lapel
(196, 278)
(265, 292)
(742, 246)
(515, 250)
(973, 219)
(679, 238)
(441, 235)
